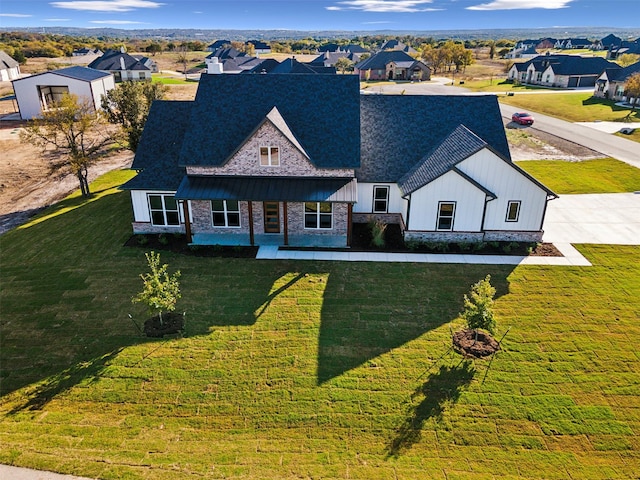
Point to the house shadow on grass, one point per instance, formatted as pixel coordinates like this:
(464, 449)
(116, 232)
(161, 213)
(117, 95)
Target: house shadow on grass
(370, 309)
(441, 389)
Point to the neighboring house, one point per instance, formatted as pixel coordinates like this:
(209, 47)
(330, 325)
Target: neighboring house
(624, 47)
(609, 41)
(297, 159)
(218, 44)
(562, 71)
(335, 48)
(611, 84)
(229, 60)
(397, 45)
(9, 68)
(36, 93)
(539, 44)
(392, 65)
(291, 65)
(147, 62)
(81, 52)
(329, 59)
(123, 66)
(259, 47)
(573, 43)
(526, 52)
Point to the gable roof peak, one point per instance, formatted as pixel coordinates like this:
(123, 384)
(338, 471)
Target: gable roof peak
(277, 120)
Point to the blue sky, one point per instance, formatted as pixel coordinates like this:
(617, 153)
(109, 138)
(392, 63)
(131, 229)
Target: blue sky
(357, 15)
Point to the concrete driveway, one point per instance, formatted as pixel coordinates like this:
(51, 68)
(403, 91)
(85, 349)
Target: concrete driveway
(599, 218)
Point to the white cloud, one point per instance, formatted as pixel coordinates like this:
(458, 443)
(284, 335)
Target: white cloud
(107, 5)
(521, 4)
(115, 22)
(196, 11)
(383, 6)
(15, 15)
(57, 19)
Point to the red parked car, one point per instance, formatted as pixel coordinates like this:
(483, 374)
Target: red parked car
(522, 118)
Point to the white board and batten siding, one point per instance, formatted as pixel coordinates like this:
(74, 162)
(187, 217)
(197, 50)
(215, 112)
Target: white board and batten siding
(508, 183)
(140, 203)
(450, 187)
(28, 97)
(397, 204)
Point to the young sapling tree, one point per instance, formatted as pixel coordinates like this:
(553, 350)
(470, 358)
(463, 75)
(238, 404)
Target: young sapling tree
(478, 306)
(161, 291)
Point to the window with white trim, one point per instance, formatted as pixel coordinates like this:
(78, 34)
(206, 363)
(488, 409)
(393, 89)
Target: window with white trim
(269, 156)
(318, 215)
(380, 199)
(163, 210)
(446, 214)
(225, 213)
(513, 210)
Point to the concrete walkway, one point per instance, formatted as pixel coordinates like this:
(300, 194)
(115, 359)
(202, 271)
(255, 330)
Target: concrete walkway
(16, 473)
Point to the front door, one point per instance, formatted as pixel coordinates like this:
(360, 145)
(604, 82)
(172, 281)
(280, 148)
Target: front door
(271, 217)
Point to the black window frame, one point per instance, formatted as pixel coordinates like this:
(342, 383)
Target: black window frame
(519, 206)
(228, 215)
(440, 217)
(376, 200)
(170, 216)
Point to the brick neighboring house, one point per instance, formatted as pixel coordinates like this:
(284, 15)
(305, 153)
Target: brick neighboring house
(611, 84)
(392, 65)
(297, 159)
(563, 71)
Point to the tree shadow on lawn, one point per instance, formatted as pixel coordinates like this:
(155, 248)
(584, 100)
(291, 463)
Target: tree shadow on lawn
(612, 105)
(66, 294)
(372, 308)
(441, 389)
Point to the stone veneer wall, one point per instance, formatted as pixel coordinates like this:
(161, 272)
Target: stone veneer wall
(246, 161)
(202, 221)
(146, 227)
(493, 236)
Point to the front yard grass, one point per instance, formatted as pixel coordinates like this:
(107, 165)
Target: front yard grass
(293, 369)
(603, 175)
(574, 107)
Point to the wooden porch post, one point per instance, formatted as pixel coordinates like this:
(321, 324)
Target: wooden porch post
(187, 223)
(349, 223)
(286, 223)
(251, 239)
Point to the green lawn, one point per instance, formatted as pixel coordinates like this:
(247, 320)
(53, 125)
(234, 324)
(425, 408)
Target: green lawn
(170, 80)
(295, 369)
(497, 84)
(574, 107)
(604, 175)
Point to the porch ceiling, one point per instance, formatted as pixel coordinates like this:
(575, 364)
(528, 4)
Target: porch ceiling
(278, 189)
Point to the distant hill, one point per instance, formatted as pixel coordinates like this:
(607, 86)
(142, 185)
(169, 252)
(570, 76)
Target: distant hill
(242, 35)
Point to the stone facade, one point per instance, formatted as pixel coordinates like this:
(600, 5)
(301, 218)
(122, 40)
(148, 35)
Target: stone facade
(468, 237)
(146, 227)
(510, 236)
(246, 161)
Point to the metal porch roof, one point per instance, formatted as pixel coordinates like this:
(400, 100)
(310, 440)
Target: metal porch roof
(279, 189)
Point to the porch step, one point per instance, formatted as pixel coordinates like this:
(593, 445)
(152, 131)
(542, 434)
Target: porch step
(267, 252)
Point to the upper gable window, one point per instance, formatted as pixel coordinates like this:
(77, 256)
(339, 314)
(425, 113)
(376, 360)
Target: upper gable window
(269, 156)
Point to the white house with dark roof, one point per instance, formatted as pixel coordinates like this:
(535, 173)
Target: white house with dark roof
(123, 66)
(36, 93)
(274, 165)
(612, 83)
(9, 68)
(558, 70)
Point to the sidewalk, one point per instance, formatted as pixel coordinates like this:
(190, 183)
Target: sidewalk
(16, 473)
(571, 257)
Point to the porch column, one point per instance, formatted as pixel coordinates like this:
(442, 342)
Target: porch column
(251, 239)
(187, 223)
(286, 223)
(349, 223)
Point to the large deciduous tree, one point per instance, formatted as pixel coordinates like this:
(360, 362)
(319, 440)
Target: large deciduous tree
(72, 127)
(632, 90)
(128, 105)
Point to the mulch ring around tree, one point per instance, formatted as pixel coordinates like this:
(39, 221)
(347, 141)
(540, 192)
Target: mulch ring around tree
(471, 345)
(171, 323)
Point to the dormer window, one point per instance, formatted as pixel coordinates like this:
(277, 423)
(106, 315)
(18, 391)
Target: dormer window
(269, 156)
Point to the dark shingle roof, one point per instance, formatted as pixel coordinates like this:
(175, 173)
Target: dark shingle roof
(380, 60)
(110, 61)
(159, 147)
(218, 43)
(259, 45)
(224, 53)
(622, 74)
(6, 61)
(77, 72)
(322, 111)
(569, 64)
(397, 131)
(459, 145)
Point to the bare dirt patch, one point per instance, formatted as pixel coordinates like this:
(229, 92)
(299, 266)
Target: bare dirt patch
(27, 182)
(527, 143)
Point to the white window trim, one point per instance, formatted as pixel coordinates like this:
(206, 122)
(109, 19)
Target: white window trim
(317, 215)
(163, 210)
(512, 202)
(226, 212)
(269, 158)
(386, 199)
(453, 216)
